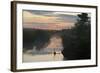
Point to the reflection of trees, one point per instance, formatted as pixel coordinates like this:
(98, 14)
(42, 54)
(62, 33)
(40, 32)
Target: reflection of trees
(77, 41)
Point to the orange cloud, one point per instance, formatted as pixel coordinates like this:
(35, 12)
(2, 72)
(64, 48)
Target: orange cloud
(50, 22)
(31, 18)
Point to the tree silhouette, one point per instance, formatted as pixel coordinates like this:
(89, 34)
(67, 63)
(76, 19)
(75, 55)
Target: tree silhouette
(35, 38)
(77, 41)
(41, 39)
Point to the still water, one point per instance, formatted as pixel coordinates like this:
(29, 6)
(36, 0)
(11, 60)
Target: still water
(42, 57)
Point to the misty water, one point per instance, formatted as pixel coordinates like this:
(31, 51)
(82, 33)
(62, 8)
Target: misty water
(51, 53)
(46, 54)
(42, 57)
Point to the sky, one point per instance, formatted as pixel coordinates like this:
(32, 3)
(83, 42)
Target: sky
(50, 20)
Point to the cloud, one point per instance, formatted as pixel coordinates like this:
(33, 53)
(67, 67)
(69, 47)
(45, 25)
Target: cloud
(48, 19)
(66, 13)
(29, 17)
(41, 12)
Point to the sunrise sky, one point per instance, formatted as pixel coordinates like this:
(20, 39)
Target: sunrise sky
(51, 20)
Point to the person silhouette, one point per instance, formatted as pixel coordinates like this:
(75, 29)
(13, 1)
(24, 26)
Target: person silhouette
(54, 53)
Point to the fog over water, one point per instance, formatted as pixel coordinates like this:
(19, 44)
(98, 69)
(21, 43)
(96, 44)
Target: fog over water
(50, 53)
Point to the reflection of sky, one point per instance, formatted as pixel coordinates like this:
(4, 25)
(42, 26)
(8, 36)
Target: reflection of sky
(53, 20)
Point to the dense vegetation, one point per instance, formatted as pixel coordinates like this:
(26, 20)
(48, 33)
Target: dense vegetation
(77, 41)
(35, 38)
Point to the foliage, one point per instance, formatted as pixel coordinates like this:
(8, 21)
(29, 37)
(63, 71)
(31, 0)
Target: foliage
(77, 41)
(35, 38)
